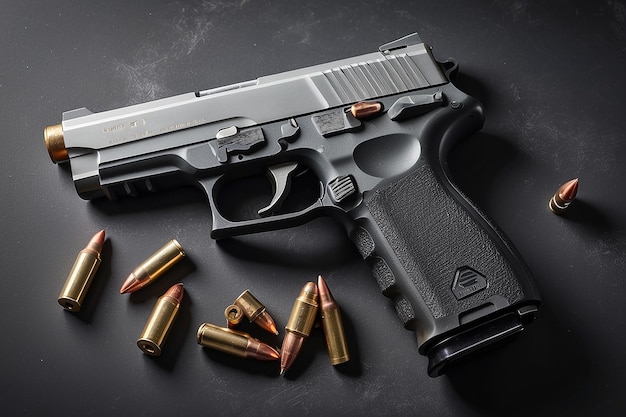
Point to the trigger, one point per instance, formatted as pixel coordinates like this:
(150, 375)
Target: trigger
(280, 175)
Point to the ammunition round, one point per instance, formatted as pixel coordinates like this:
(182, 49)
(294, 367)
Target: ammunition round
(255, 311)
(81, 275)
(160, 321)
(153, 267)
(563, 197)
(225, 340)
(162, 260)
(234, 343)
(299, 326)
(332, 324)
(78, 281)
(304, 311)
(250, 306)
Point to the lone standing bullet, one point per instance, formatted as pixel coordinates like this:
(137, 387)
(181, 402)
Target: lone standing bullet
(332, 325)
(153, 267)
(160, 322)
(81, 275)
(563, 196)
(299, 325)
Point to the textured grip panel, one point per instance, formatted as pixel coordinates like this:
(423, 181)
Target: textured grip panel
(384, 276)
(432, 236)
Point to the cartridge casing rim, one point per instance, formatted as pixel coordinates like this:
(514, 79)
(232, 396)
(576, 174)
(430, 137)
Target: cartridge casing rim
(237, 317)
(149, 347)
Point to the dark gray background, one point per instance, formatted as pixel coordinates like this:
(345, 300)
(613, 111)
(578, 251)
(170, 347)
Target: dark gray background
(551, 76)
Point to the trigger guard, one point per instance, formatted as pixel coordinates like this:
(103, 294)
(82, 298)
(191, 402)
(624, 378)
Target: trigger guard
(450, 68)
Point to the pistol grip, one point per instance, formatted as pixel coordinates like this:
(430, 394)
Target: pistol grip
(447, 268)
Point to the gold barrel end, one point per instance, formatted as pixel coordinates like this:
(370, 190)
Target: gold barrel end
(55, 143)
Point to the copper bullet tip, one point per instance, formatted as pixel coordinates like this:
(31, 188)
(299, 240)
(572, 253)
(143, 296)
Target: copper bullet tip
(255, 311)
(310, 288)
(176, 292)
(366, 109)
(265, 321)
(97, 242)
(98, 237)
(563, 196)
(568, 190)
(131, 284)
(324, 293)
(320, 281)
(264, 352)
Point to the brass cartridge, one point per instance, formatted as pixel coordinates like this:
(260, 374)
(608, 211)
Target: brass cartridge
(303, 312)
(333, 325)
(255, 311)
(160, 322)
(153, 267)
(81, 275)
(234, 343)
(299, 326)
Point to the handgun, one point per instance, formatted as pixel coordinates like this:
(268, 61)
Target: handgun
(374, 131)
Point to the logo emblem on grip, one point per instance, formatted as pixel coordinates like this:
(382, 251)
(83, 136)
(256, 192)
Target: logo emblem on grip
(467, 282)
